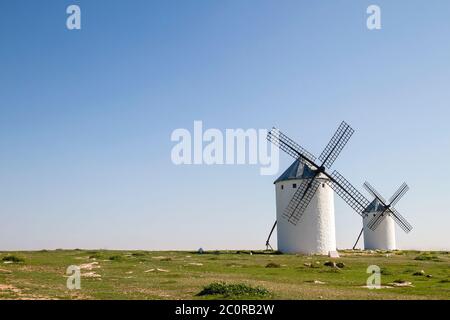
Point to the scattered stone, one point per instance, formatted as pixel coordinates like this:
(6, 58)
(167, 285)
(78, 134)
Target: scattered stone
(318, 282)
(91, 274)
(379, 287)
(340, 265)
(307, 264)
(5, 271)
(330, 264)
(195, 264)
(429, 276)
(157, 269)
(90, 266)
(11, 288)
(129, 272)
(419, 273)
(401, 284)
(159, 257)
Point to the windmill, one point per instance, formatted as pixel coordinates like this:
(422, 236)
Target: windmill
(379, 217)
(308, 182)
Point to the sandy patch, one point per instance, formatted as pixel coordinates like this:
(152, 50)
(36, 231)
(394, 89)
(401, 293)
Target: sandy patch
(157, 269)
(11, 288)
(159, 257)
(401, 284)
(195, 264)
(90, 266)
(380, 287)
(91, 274)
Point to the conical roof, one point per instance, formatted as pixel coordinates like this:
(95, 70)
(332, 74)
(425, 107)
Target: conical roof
(374, 206)
(296, 170)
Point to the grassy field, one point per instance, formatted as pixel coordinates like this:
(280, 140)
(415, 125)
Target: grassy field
(183, 275)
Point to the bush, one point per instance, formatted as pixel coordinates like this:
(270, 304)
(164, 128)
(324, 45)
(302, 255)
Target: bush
(138, 254)
(13, 259)
(115, 258)
(233, 290)
(427, 257)
(272, 265)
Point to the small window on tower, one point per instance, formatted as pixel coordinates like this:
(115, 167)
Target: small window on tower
(294, 185)
(282, 187)
(323, 185)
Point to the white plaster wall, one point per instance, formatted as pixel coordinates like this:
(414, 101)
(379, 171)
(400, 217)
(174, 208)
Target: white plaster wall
(315, 232)
(383, 237)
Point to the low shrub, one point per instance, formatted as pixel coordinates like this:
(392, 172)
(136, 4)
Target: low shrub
(427, 257)
(115, 258)
(233, 290)
(138, 254)
(12, 258)
(273, 265)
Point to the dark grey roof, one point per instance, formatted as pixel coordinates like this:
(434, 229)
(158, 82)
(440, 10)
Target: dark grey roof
(374, 206)
(296, 170)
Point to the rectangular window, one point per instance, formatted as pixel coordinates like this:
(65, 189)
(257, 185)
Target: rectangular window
(294, 185)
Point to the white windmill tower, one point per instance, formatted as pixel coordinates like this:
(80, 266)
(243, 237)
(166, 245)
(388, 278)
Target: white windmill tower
(305, 202)
(316, 233)
(378, 220)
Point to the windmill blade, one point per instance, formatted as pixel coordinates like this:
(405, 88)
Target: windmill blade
(374, 193)
(336, 144)
(398, 218)
(377, 219)
(299, 202)
(348, 192)
(401, 221)
(399, 194)
(289, 146)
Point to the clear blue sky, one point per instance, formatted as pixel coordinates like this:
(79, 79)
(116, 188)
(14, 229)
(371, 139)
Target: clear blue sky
(86, 116)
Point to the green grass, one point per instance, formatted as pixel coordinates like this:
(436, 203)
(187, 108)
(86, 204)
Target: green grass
(183, 275)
